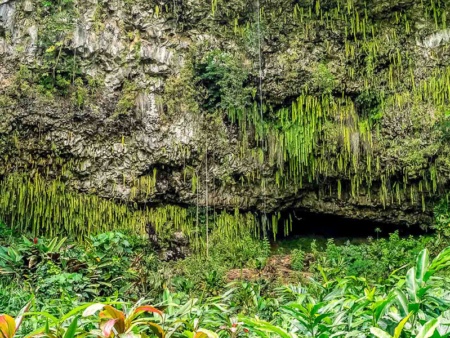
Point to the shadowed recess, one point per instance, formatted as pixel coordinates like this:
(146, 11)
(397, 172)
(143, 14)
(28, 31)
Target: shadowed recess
(309, 224)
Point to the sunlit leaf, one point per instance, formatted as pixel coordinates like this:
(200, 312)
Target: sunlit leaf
(411, 284)
(110, 312)
(379, 333)
(422, 265)
(7, 326)
(203, 333)
(428, 328)
(398, 330)
(93, 309)
(146, 308)
(402, 301)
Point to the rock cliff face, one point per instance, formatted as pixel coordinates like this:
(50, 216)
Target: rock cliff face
(159, 102)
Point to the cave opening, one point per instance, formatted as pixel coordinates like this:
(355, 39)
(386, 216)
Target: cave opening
(306, 224)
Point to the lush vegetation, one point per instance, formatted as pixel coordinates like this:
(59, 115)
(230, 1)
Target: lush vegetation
(389, 287)
(411, 303)
(84, 265)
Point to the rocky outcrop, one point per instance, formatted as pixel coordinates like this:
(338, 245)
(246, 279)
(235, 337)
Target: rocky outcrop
(108, 94)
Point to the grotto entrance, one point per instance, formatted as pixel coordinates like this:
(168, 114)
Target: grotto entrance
(308, 226)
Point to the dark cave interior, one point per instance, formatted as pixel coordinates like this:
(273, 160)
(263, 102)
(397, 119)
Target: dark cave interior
(309, 224)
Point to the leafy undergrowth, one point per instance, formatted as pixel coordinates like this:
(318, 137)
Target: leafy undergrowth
(102, 287)
(415, 305)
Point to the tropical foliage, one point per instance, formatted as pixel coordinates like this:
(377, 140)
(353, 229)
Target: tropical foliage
(413, 305)
(388, 287)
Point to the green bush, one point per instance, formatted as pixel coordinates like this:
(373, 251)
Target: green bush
(224, 80)
(298, 260)
(324, 80)
(368, 104)
(206, 273)
(374, 260)
(108, 263)
(241, 252)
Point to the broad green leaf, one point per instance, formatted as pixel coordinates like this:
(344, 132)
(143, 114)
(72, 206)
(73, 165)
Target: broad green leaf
(429, 274)
(395, 272)
(261, 325)
(423, 262)
(70, 333)
(187, 334)
(316, 308)
(379, 333)
(319, 318)
(57, 246)
(411, 284)
(428, 328)
(297, 307)
(413, 307)
(370, 293)
(322, 272)
(422, 291)
(381, 307)
(403, 302)
(75, 311)
(440, 262)
(47, 315)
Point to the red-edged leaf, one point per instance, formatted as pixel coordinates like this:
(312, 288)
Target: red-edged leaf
(107, 327)
(7, 326)
(111, 313)
(146, 308)
(139, 310)
(157, 330)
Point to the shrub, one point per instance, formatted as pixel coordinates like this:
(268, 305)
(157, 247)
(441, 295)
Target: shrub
(368, 105)
(373, 260)
(324, 80)
(224, 80)
(243, 251)
(109, 262)
(298, 259)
